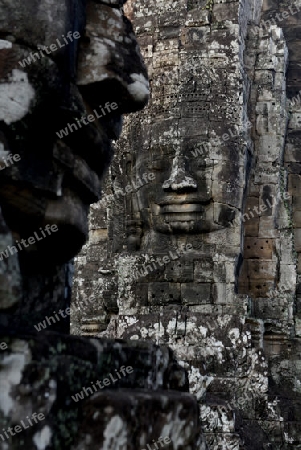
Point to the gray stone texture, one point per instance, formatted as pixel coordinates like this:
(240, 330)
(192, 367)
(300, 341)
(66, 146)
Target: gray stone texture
(229, 307)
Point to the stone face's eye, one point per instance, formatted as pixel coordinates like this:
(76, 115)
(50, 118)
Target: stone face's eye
(159, 165)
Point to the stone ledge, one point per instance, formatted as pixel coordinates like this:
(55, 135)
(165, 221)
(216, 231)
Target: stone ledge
(44, 373)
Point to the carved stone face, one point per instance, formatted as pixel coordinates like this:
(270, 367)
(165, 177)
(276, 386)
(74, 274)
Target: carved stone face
(195, 189)
(62, 109)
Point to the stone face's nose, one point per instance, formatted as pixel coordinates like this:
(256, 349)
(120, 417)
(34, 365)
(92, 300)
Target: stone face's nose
(110, 66)
(179, 180)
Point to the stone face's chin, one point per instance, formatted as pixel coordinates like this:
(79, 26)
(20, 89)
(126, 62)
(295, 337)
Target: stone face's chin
(70, 215)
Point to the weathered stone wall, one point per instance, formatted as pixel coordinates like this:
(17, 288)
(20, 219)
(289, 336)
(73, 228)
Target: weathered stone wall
(218, 144)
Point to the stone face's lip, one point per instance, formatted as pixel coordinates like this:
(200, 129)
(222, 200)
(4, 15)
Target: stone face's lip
(182, 208)
(183, 200)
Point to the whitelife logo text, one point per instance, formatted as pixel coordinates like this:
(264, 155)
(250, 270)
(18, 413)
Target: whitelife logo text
(106, 381)
(24, 243)
(53, 48)
(71, 127)
(18, 428)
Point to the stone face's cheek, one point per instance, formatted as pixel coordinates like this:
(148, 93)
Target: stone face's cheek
(16, 97)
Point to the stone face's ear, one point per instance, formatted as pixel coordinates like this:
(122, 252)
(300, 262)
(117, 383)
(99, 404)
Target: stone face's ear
(134, 234)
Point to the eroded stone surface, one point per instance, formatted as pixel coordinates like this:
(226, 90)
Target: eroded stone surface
(45, 374)
(129, 424)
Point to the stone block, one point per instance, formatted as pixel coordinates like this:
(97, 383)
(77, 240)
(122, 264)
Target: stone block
(203, 270)
(260, 287)
(268, 148)
(96, 252)
(267, 203)
(197, 17)
(219, 293)
(293, 167)
(251, 204)
(297, 238)
(267, 227)
(219, 418)
(207, 309)
(229, 238)
(193, 127)
(251, 227)
(141, 294)
(110, 300)
(271, 309)
(179, 271)
(260, 269)
(223, 441)
(258, 248)
(243, 284)
(164, 293)
(297, 219)
(293, 150)
(294, 184)
(231, 309)
(223, 271)
(298, 327)
(267, 176)
(296, 203)
(145, 327)
(287, 248)
(98, 236)
(214, 325)
(287, 276)
(195, 293)
(169, 20)
(299, 263)
(165, 58)
(295, 121)
(150, 270)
